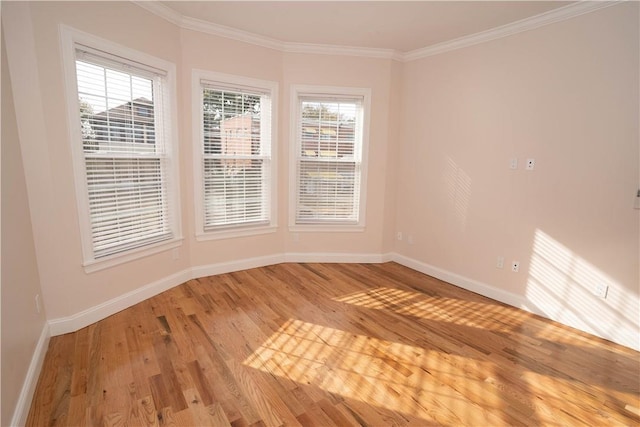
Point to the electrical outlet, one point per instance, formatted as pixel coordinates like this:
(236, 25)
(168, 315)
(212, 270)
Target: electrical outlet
(531, 164)
(515, 266)
(500, 262)
(513, 163)
(38, 308)
(601, 290)
(175, 254)
(399, 235)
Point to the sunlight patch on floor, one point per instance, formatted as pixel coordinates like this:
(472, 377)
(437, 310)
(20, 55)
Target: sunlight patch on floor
(388, 374)
(442, 309)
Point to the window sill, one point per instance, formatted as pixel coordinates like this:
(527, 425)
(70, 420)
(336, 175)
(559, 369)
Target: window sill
(92, 266)
(235, 232)
(328, 228)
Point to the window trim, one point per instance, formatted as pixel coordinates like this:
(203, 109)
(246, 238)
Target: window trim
(336, 92)
(70, 38)
(230, 80)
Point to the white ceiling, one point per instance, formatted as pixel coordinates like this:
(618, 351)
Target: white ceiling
(399, 25)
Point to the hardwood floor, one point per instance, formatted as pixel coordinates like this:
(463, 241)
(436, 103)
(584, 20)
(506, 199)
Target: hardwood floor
(332, 344)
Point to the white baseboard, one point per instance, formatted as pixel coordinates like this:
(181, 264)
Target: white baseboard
(101, 311)
(337, 257)
(231, 266)
(93, 314)
(624, 335)
(23, 405)
(64, 325)
(463, 282)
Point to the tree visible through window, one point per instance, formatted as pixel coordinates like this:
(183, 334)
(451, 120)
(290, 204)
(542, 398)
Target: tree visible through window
(236, 156)
(125, 162)
(329, 158)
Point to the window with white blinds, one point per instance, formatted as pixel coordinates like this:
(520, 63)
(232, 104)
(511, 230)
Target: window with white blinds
(235, 156)
(329, 159)
(123, 117)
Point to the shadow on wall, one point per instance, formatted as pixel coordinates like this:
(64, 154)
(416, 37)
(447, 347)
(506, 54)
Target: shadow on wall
(562, 286)
(458, 187)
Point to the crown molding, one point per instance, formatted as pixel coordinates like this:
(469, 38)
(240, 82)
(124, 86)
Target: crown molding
(231, 33)
(326, 49)
(160, 10)
(200, 25)
(533, 22)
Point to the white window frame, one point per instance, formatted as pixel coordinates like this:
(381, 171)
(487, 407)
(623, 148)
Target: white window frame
(70, 38)
(328, 92)
(230, 81)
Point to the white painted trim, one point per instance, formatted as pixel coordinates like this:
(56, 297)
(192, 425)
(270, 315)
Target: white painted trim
(101, 311)
(31, 380)
(213, 78)
(93, 314)
(462, 282)
(231, 266)
(202, 26)
(131, 255)
(297, 91)
(161, 10)
(533, 22)
(556, 15)
(326, 228)
(509, 298)
(86, 317)
(325, 49)
(230, 33)
(69, 39)
(328, 257)
(234, 232)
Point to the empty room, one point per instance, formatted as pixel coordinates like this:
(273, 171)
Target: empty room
(262, 213)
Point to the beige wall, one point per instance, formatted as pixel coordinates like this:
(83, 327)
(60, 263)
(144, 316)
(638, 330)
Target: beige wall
(392, 156)
(210, 53)
(21, 324)
(567, 95)
(66, 287)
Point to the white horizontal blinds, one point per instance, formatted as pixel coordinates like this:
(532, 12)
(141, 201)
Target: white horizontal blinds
(121, 119)
(329, 160)
(236, 156)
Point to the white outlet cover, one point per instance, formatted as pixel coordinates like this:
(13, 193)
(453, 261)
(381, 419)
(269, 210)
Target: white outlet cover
(513, 163)
(515, 266)
(531, 164)
(601, 290)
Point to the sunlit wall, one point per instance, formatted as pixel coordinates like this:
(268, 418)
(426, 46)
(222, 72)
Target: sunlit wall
(565, 95)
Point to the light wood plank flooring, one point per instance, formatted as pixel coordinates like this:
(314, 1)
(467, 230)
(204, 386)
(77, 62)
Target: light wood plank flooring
(332, 344)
